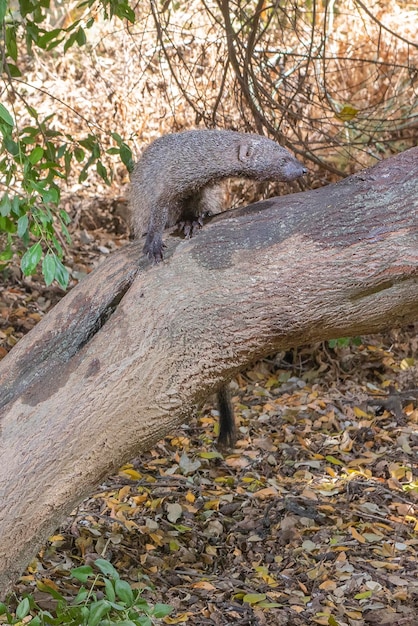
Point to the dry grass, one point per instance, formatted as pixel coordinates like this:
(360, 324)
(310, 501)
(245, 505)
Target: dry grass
(338, 86)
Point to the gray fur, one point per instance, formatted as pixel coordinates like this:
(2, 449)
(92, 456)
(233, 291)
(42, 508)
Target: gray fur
(175, 180)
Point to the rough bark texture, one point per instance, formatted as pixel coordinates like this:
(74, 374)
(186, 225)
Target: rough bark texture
(125, 357)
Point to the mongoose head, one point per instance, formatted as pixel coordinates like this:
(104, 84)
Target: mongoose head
(263, 159)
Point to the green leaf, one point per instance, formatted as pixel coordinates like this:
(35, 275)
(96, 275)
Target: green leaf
(51, 195)
(126, 157)
(5, 115)
(48, 36)
(161, 610)
(31, 259)
(10, 145)
(106, 568)
(23, 608)
(22, 225)
(83, 572)
(123, 11)
(64, 216)
(3, 607)
(7, 225)
(48, 270)
(36, 155)
(143, 621)
(6, 254)
(79, 154)
(11, 45)
(254, 598)
(333, 460)
(210, 455)
(102, 171)
(110, 591)
(3, 9)
(14, 73)
(117, 138)
(5, 205)
(124, 592)
(97, 611)
(81, 37)
(362, 595)
(61, 274)
(70, 42)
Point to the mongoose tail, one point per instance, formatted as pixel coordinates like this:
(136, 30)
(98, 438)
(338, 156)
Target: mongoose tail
(227, 429)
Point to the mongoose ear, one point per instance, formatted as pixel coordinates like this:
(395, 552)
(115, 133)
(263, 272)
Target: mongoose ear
(245, 151)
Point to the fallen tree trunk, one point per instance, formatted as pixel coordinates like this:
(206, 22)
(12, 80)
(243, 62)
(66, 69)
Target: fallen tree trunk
(127, 355)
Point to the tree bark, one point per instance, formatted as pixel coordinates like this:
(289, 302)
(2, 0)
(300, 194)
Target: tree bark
(127, 355)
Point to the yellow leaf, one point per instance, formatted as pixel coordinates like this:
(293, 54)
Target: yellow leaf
(45, 584)
(237, 461)
(178, 619)
(398, 471)
(308, 493)
(346, 113)
(211, 505)
(328, 585)
(385, 565)
(387, 549)
(204, 584)
(406, 364)
(395, 485)
(190, 497)
(140, 499)
(131, 473)
(346, 442)
(360, 413)
(180, 442)
(265, 576)
(56, 538)
(363, 460)
(157, 539)
(354, 614)
(263, 494)
(130, 525)
(356, 535)
(124, 492)
(331, 472)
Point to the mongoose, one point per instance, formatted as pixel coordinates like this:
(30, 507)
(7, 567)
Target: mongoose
(176, 181)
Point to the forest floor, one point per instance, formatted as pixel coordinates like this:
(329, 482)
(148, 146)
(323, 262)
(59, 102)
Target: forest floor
(311, 519)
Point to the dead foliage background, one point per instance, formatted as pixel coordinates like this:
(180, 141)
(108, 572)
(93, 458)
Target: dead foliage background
(313, 517)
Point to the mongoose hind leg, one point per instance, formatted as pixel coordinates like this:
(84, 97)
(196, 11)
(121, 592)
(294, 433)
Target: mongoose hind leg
(190, 227)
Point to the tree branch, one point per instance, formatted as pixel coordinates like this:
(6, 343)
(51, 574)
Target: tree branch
(126, 356)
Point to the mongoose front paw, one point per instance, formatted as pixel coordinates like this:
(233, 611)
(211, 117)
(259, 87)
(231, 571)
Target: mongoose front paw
(154, 247)
(189, 227)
